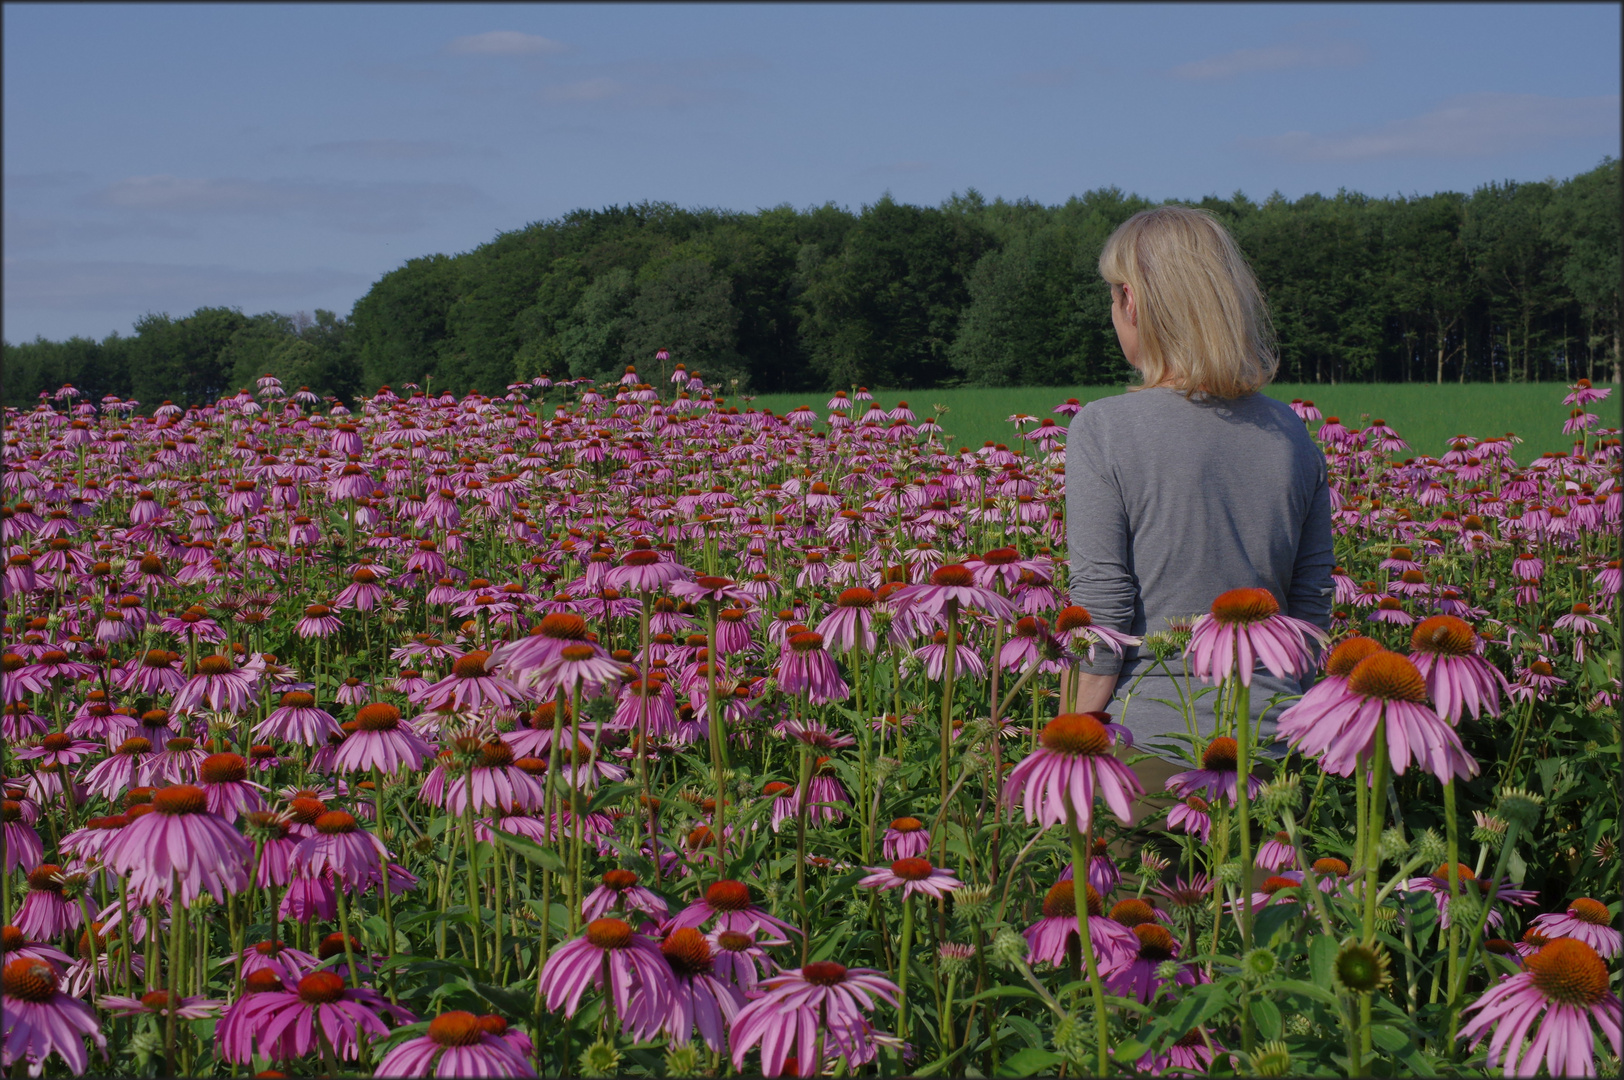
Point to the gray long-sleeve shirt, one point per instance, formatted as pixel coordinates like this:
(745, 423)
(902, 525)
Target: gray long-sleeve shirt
(1170, 502)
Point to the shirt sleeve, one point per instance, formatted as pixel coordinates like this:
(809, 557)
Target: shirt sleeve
(1097, 539)
(1311, 586)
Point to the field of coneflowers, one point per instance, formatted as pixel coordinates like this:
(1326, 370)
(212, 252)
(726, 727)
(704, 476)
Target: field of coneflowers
(615, 731)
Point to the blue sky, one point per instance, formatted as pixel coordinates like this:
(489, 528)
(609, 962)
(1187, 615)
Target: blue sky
(283, 157)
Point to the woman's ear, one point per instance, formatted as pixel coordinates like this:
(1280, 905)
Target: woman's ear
(1128, 305)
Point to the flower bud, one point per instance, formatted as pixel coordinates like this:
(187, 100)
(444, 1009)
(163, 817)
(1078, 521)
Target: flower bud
(972, 904)
(1008, 948)
(1229, 873)
(1431, 848)
(1281, 794)
(1520, 805)
(1392, 844)
(682, 1061)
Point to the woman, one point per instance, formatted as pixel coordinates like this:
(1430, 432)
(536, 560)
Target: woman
(1194, 483)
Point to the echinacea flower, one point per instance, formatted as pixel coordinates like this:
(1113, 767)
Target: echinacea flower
(697, 999)
(1446, 651)
(1053, 938)
(346, 1015)
(953, 585)
(906, 838)
(471, 685)
(180, 840)
(1139, 976)
(1564, 988)
(45, 912)
(1383, 687)
(1245, 628)
(41, 1020)
(225, 783)
(1219, 774)
(914, 875)
(380, 741)
(455, 1044)
(620, 893)
(812, 1012)
(296, 719)
(1057, 784)
(1585, 920)
(804, 665)
(609, 948)
(730, 903)
(341, 846)
(217, 684)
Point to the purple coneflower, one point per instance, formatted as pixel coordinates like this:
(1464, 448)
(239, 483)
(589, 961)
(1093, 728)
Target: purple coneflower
(1245, 628)
(1564, 987)
(620, 892)
(1437, 883)
(318, 622)
(181, 840)
(907, 838)
(1138, 977)
(45, 912)
(456, 1044)
(951, 584)
(914, 875)
(1277, 852)
(850, 625)
(814, 1011)
(697, 999)
(342, 846)
(609, 948)
(296, 719)
(1384, 686)
(217, 684)
(1585, 920)
(287, 963)
(804, 665)
(1218, 775)
(470, 686)
(1058, 783)
(23, 847)
(730, 903)
(346, 1015)
(224, 780)
(1192, 816)
(1447, 653)
(41, 1020)
(1053, 938)
(380, 741)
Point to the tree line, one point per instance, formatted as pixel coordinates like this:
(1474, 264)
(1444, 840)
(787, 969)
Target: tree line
(1514, 282)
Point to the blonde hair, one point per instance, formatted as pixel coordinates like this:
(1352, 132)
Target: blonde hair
(1203, 324)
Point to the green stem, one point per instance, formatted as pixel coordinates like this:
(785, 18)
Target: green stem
(1378, 807)
(1243, 803)
(902, 967)
(1080, 847)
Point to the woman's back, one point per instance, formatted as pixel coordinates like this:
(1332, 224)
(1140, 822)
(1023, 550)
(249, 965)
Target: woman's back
(1172, 501)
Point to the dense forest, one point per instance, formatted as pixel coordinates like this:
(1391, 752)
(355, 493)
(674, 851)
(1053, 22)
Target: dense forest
(1514, 282)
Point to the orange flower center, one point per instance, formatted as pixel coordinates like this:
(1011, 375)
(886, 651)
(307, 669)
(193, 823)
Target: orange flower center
(336, 823)
(471, 665)
(456, 1029)
(564, 626)
(1331, 866)
(1388, 676)
(262, 981)
(180, 799)
(377, 717)
(1081, 734)
(1569, 971)
(1591, 911)
(824, 973)
(1445, 635)
(687, 952)
(1245, 606)
(1061, 901)
(609, 933)
(1155, 943)
(619, 880)
(223, 769)
(1275, 884)
(321, 988)
(214, 665)
(1221, 755)
(298, 699)
(1133, 912)
(1072, 618)
(856, 598)
(952, 574)
(912, 869)
(576, 653)
(907, 824)
(728, 895)
(806, 641)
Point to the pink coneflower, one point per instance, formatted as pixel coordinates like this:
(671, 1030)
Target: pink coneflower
(346, 1015)
(41, 1020)
(813, 1012)
(620, 892)
(23, 847)
(697, 999)
(217, 684)
(470, 686)
(235, 1033)
(644, 570)
(55, 751)
(730, 903)
(1277, 852)
(1446, 651)
(804, 665)
(1341, 730)
(341, 846)
(609, 948)
(738, 959)
(287, 963)
(180, 839)
(913, 875)
(177, 762)
(1390, 610)
(577, 664)
(225, 783)
(318, 622)
(966, 661)
(494, 781)
(456, 1044)
(1245, 628)
(850, 625)
(907, 838)
(381, 741)
(45, 912)
(1192, 1053)
(1192, 816)
(1058, 783)
(159, 1003)
(352, 691)
(297, 720)
(1053, 938)
(1538, 681)
(1217, 777)
(1138, 976)
(1585, 920)
(127, 766)
(949, 584)
(1437, 883)
(1565, 988)
(362, 593)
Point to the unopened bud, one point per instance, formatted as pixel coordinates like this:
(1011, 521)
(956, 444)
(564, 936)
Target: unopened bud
(1008, 948)
(1431, 848)
(1392, 844)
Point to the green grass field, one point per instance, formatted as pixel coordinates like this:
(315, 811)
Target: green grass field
(1424, 414)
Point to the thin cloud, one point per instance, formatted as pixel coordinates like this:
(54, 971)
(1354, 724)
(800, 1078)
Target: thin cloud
(27, 232)
(396, 150)
(505, 43)
(358, 207)
(1283, 57)
(1466, 126)
(67, 285)
(43, 181)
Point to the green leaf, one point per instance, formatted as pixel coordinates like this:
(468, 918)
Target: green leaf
(1389, 1038)
(1321, 958)
(1028, 1062)
(609, 793)
(514, 1004)
(1306, 989)
(1266, 1015)
(530, 851)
